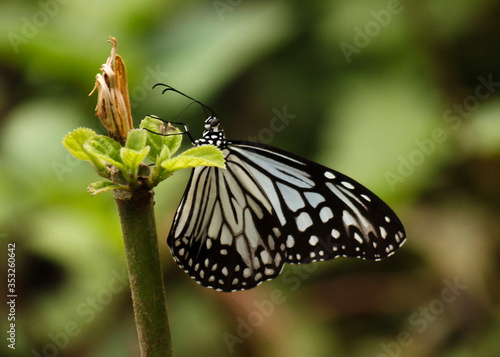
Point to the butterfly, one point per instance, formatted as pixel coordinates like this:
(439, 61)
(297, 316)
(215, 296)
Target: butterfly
(236, 227)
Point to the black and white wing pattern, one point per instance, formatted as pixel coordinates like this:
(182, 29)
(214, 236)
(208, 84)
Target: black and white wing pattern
(236, 227)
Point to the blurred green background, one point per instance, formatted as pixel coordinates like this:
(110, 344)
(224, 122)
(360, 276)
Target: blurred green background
(401, 95)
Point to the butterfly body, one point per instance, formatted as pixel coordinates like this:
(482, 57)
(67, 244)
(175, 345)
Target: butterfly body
(236, 227)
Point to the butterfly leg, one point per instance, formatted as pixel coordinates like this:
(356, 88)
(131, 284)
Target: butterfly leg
(186, 129)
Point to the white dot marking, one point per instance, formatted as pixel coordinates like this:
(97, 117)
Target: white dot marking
(266, 258)
(325, 214)
(358, 238)
(329, 175)
(347, 185)
(303, 221)
(313, 240)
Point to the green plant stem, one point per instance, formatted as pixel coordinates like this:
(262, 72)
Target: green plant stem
(146, 283)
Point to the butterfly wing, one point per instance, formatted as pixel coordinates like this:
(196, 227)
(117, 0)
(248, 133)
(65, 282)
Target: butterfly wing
(323, 214)
(235, 227)
(225, 235)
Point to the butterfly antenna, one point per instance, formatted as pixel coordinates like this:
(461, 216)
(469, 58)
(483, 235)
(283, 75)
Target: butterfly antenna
(183, 110)
(170, 88)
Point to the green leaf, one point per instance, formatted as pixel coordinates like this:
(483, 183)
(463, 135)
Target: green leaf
(165, 154)
(98, 187)
(173, 142)
(133, 158)
(205, 155)
(75, 140)
(75, 143)
(136, 139)
(151, 123)
(157, 140)
(106, 149)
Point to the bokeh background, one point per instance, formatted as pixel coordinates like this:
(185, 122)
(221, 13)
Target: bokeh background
(401, 95)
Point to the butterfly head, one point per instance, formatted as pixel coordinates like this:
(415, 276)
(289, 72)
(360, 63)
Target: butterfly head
(213, 135)
(212, 124)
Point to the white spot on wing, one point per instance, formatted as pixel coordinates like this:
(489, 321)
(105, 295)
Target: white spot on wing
(269, 271)
(270, 242)
(358, 238)
(313, 240)
(303, 221)
(314, 198)
(292, 197)
(347, 185)
(265, 257)
(325, 214)
(329, 175)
